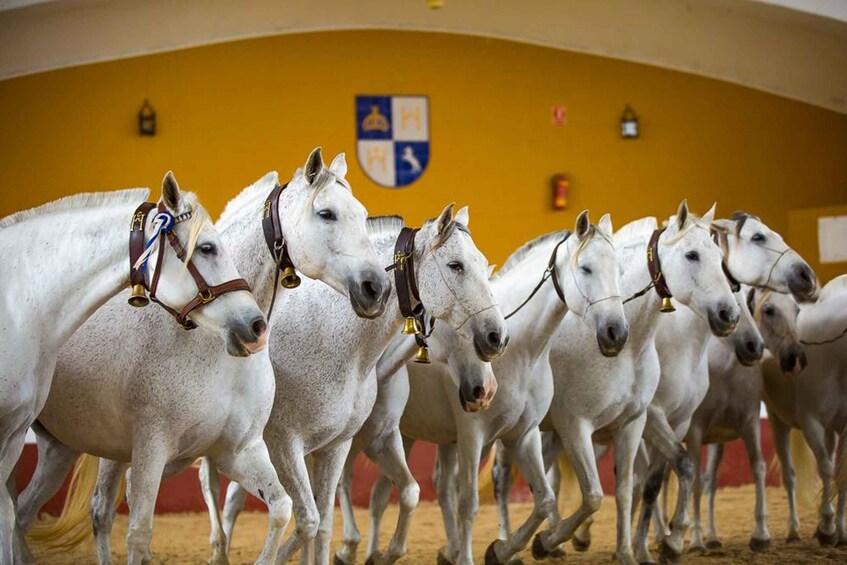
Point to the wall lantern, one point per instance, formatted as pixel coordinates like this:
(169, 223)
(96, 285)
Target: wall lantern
(629, 123)
(561, 185)
(146, 120)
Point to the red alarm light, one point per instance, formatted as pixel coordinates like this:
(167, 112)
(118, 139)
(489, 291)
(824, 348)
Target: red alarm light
(561, 184)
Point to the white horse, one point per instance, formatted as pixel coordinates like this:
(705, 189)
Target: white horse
(754, 255)
(731, 409)
(585, 274)
(325, 360)
(61, 262)
(160, 399)
(605, 399)
(812, 401)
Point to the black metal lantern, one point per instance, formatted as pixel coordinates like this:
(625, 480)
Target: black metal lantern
(629, 123)
(146, 120)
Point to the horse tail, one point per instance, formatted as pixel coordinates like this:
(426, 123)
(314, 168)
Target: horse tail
(568, 486)
(73, 526)
(806, 470)
(485, 484)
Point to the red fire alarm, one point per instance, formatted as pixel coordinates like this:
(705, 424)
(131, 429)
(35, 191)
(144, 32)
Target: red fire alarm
(560, 184)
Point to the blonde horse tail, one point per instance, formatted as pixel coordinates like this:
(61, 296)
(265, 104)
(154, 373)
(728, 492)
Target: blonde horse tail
(73, 526)
(806, 470)
(485, 485)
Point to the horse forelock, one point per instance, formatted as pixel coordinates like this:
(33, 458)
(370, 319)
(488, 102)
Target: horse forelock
(198, 220)
(740, 218)
(691, 222)
(78, 202)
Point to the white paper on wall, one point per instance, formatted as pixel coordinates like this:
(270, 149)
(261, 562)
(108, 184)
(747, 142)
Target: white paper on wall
(832, 239)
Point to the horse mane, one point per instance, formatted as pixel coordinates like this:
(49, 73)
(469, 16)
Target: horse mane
(77, 202)
(261, 187)
(521, 252)
(635, 229)
(739, 217)
(381, 225)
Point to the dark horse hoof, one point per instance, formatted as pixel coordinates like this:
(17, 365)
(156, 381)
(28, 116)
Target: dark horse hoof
(826, 540)
(337, 560)
(442, 559)
(794, 537)
(491, 556)
(539, 552)
(714, 544)
(667, 554)
(579, 545)
(757, 544)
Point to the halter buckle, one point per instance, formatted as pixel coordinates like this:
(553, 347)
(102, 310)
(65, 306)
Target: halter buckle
(206, 296)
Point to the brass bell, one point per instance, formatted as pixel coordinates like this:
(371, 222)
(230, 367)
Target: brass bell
(289, 279)
(667, 305)
(138, 298)
(410, 327)
(422, 356)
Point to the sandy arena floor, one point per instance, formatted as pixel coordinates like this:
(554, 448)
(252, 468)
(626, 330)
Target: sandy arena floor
(183, 538)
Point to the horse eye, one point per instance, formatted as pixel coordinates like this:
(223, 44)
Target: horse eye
(456, 266)
(327, 215)
(767, 311)
(208, 249)
(692, 256)
(758, 238)
(585, 269)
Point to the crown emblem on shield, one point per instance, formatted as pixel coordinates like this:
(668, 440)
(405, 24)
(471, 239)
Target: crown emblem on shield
(375, 121)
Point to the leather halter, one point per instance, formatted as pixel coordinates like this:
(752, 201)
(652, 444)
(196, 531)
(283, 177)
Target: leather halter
(205, 293)
(549, 273)
(272, 229)
(720, 240)
(654, 265)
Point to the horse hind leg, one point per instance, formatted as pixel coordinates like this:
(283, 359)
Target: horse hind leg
(445, 477)
(104, 504)
(13, 548)
(501, 478)
(649, 496)
(822, 444)
(781, 440)
(326, 472)
(351, 537)
(710, 485)
(210, 484)
(627, 440)
(392, 462)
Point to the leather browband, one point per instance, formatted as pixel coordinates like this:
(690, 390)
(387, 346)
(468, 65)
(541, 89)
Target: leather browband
(654, 266)
(205, 292)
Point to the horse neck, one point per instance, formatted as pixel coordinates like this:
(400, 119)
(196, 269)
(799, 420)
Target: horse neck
(533, 326)
(66, 266)
(642, 313)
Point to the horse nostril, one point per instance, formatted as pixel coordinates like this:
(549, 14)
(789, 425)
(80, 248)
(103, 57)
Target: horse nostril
(493, 339)
(478, 392)
(613, 336)
(370, 289)
(259, 326)
(724, 316)
(751, 346)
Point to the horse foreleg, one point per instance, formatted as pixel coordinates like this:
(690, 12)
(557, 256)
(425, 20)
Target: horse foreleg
(251, 468)
(148, 462)
(326, 472)
(653, 483)
(627, 440)
(470, 448)
(13, 548)
(693, 443)
(55, 460)
(444, 476)
(576, 441)
(662, 437)
(782, 446)
(392, 461)
(551, 447)
(351, 537)
(751, 434)
(710, 485)
(501, 478)
(210, 484)
(822, 445)
(104, 505)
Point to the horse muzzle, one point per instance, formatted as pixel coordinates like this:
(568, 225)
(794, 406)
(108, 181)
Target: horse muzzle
(369, 294)
(247, 339)
(490, 342)
(803, 283)
(611, 337)
(793, 361)
(723, 319)
(475, 398)
(749, 351)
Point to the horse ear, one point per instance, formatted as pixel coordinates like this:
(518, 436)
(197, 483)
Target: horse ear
(462, 216)
(605, 224)
(170, 192)
(724, 225)
(339, 166)
(709, 216)
(751, 299)
(582, 224)
(445, 219)
(491, 270)
(682, 214)
(314, 164)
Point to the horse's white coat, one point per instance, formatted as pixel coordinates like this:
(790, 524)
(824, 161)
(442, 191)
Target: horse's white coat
(324, 360)
(160, 397)
(61, 262)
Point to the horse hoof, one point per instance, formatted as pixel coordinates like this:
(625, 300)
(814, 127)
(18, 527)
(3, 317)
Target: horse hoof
(826, 540)
(714, 544)
(793, 537)
(491, 556)
(667, 554)
(696, 549)
(442, 559)
(842, 542)
(758, 544)
(336, 560)
(579, 545)
(539, 552)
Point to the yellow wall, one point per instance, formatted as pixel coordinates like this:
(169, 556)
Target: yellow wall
(228, 113)
(803, 233)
